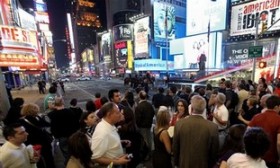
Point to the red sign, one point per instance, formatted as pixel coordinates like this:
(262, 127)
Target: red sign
(120, 45)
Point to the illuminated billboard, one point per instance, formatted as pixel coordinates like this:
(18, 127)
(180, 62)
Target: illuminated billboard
(141, 38)
(197, 50)
(18, 38)
(200, 12)
(121, 53)
(152, 65)
(123, 32)
(42, 17)
(105, 48)
(164, 21)
(41, 6)
(243, 17)
(27, 20)
(237, 54)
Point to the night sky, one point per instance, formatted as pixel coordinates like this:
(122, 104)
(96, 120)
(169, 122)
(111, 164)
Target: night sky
(57, 14)
(58, 21)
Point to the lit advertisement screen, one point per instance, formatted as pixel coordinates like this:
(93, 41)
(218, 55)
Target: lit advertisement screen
(199, 12)
(243, 17)
(178, 62)
(42, 17)
(123, 32)
(164, 21)
(141, 36)
(41, 7)
(197, 50)
(106, 48)
(238, 54)
(121, 54)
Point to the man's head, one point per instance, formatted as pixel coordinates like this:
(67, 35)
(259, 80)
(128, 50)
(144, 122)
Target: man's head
(97, 95)
(142, 95)
(58, 101)
(263, 100)
(161, 90)
(256, 142)
(198, 104)
(111, 113)
(228, 84)
(15, 133)
(52, 90)
(73, 102)
(220, 98)
(273, 103)
(114, 95)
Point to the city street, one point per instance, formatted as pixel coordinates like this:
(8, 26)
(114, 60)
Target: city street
(82, 90)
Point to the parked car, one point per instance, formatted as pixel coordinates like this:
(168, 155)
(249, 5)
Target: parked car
(63, 79)
(83, 78)
(105, 78)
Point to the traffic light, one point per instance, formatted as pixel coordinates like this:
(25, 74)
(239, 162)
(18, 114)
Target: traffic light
(264, 27)
(262, 64)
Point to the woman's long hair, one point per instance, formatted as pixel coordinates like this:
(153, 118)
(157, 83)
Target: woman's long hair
(79, 148)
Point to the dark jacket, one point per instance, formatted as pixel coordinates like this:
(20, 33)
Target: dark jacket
(144, 114)
(62, 123)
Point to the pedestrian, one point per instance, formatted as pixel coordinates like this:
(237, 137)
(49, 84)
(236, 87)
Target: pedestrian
(80, 152)
(106, 143)
(97, 100)
(269, 120)
(203, 142)
(35, 126)
(40, 87)
(77, 112)
(49, 99)
(13, 114)
(62, 126)
(162, 153)
(62, 86)
(221, 117)
(256, 143)
(14, 153)
(144, 114)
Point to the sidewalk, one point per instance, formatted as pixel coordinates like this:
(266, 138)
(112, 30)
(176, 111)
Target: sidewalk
(30, 95)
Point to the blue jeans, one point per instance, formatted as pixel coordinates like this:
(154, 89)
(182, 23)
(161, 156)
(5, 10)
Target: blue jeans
(63, 145)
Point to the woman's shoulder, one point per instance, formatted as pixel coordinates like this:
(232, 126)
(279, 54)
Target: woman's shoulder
(74, 163)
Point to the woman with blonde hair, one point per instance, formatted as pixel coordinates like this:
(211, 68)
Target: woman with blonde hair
(162, 152)
(35, 126)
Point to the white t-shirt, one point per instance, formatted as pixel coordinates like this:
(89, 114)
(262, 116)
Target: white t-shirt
(12, 156)
(106, 141)
(222, 112)
(240, 160)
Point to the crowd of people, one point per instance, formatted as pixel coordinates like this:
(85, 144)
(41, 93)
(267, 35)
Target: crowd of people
(235, 125)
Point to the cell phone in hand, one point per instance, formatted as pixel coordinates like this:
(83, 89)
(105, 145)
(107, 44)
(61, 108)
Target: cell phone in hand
(130, 156)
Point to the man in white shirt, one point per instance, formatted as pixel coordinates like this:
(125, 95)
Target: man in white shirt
(221, 116)
(106, 144)
(14, 154)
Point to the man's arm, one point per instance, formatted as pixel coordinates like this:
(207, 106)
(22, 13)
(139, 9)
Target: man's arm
(117, 161)
(278, 146)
